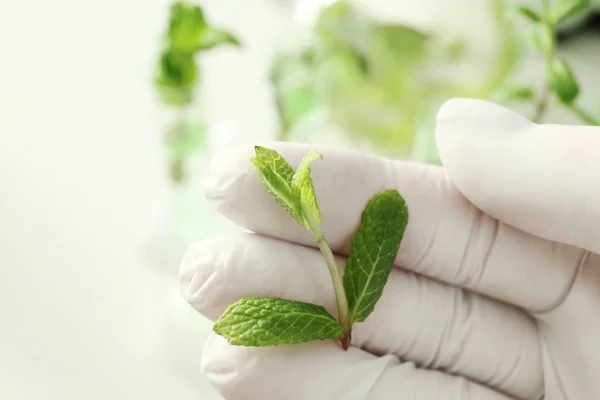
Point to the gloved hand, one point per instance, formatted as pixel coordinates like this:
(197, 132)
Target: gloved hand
(497, 290)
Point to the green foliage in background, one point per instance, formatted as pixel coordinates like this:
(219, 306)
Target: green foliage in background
(188, 34)
(561, 86)
(178, 75)
(382, 83)
(370, 76)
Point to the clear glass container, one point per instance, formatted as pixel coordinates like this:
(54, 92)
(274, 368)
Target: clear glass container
(185, 215)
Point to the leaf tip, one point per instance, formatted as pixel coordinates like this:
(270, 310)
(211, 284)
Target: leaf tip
(312, 156)
(390, 194)
(260, 153)
(264, 152)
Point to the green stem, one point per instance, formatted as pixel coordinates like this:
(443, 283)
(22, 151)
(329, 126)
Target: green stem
(284, 125)
(542, 105)
(546, 8)
(584, 115)
(338, 285)
(544, 99)
(283, 133)
(177, 169)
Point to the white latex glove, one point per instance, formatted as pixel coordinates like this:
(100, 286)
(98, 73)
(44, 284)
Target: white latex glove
(495, 295)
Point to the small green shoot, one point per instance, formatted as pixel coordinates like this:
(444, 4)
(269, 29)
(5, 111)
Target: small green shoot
(261, 322)
(188, 34)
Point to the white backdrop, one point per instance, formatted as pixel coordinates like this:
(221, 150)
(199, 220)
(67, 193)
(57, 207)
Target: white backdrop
(83, 314)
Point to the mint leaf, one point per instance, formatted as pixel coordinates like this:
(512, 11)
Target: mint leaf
(293, 191)
(529, 13)
(562, 81)
(215, 37)
(507, 94)
(373, 252)
(176, 77)
(259, 322)
(186, 24)
(565, 9)
(543, 38)
(276, 175)
(176, 70)
(304, 192)
(525, 11)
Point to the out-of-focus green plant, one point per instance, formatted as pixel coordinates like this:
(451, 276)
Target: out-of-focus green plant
(379, 82)
(371, 77)
(561, 85)
(382, 83)
(188, 35)
(178, 76)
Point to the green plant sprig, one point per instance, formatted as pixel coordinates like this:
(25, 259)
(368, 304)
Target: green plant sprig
(254, 321)
(187, 34)
(561, 83)
(178, 75)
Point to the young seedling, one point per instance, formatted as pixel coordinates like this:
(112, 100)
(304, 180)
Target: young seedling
(255, 321)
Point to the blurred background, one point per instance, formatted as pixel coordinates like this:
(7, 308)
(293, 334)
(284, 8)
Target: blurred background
(109, 111)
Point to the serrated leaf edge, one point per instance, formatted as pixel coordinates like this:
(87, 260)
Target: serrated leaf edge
(324, 315)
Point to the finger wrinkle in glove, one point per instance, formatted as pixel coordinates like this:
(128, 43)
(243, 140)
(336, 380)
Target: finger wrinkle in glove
(199, 269)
